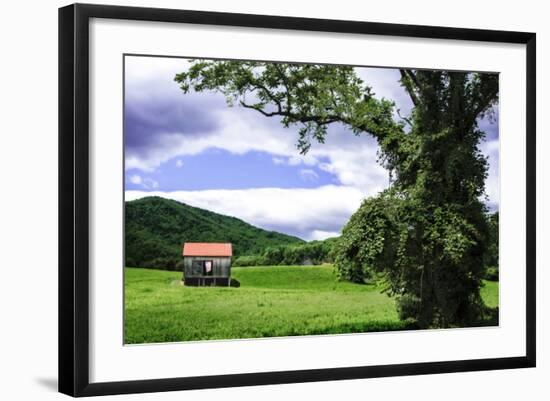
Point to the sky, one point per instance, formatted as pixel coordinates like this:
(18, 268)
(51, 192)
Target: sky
(195, 149)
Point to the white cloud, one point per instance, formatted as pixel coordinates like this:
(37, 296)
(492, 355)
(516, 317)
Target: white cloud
(321, 235)
(143, 70)
(353, 160)
(308, 174)
(147, 183)
(179, 163)
(385, 84)
(297, 159)
(307, 213)
(135, 179)
(491, 149)
(239, 133)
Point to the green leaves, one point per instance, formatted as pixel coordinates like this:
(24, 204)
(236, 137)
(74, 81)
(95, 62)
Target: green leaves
(369, 239)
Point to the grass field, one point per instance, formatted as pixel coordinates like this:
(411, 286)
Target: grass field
(272, 301)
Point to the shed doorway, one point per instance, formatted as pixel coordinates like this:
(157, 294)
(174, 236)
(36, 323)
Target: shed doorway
(208, 268)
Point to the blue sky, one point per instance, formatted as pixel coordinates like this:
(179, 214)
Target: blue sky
(195, 149)
(230, 171)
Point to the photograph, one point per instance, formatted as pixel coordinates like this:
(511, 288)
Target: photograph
(272, 199)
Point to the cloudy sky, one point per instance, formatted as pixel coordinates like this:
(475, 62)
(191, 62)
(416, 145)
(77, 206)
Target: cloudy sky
(195, 149)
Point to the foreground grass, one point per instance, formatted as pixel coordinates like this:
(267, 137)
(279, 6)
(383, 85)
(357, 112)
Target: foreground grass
(272, 301)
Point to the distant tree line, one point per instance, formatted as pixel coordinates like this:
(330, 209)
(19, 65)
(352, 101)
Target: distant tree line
(311, 253)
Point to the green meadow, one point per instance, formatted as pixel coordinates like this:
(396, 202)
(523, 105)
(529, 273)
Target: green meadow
(271, 301)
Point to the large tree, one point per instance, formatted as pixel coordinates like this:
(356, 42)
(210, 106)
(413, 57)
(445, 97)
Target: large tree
(427, 233)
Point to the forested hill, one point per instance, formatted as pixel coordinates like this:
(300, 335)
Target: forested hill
(157, 227)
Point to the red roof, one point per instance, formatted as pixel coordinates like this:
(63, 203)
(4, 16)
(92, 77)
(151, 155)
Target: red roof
(207, 249)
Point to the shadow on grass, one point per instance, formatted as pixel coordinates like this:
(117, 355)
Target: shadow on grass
(354, 328)
(489, 318)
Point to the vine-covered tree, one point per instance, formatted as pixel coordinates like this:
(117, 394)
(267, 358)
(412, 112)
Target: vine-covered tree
(427, 233)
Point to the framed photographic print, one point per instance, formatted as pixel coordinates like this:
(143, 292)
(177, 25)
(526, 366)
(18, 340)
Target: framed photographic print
(250, 199)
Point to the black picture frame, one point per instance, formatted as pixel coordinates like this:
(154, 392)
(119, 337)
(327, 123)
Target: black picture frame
(74, 198)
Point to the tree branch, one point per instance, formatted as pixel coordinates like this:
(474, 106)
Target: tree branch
(320, 120)
(406, 80)
(253, 107)
(486, 102)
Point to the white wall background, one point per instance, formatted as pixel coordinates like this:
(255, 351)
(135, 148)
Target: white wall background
(28, 200)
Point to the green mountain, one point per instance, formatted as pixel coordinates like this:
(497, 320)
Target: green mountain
(156, 228)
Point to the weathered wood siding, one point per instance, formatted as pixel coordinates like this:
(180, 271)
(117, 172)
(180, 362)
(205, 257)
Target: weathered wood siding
(221, 266)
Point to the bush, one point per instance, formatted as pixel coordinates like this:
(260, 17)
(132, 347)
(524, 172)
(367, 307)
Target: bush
(491, 273)
(251, 260)
(311, 253)
(180, 265)
(368, 240)
(161, 263)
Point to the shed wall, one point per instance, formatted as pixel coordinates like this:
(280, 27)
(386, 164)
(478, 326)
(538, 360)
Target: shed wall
(221, 266)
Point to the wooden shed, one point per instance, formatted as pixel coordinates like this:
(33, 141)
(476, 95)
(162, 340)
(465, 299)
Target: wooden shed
(207, 263)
